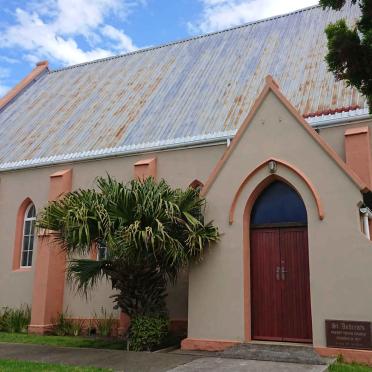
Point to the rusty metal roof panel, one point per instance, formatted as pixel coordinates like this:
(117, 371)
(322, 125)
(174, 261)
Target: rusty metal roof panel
(191, 88)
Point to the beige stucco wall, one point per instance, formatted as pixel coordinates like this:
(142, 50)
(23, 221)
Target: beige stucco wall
(335, 135)
(340, 255)
(179, 167)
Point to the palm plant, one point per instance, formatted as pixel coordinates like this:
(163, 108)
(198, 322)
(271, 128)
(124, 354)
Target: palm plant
(151, 231)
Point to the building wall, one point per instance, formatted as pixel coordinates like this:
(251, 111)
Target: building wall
(340, 255)
(178, 167)
(335, 135)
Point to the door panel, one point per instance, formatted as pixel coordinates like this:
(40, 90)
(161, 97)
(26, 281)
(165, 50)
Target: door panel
(266, 293)
(281, 309)
(296, 287)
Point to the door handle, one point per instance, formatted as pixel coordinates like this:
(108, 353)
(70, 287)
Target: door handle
(283, 272)
(278, 273)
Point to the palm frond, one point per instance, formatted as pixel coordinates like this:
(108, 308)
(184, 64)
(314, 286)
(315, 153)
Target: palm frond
(86, 274)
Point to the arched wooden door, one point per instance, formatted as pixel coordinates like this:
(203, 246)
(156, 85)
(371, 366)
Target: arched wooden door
(280, 285)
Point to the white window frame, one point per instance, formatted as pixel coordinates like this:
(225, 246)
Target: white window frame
(366, 215)
(26, 219)
(101, 246)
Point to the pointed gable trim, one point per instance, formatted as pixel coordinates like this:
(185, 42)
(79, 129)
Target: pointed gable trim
(295, 170)
(40, 68)
(272, 86)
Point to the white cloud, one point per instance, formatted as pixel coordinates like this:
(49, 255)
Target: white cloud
(9, 60)
(122, 41)
(81, 16)
(55, 30)
(221, 14)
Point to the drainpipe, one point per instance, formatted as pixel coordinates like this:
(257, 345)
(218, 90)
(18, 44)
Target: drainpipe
(367, 214)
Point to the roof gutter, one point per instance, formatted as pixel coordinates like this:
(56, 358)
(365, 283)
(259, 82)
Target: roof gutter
(222, 138)
(339, 119)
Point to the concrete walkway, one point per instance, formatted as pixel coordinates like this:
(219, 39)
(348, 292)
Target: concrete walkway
(128, 361)
(239, 365)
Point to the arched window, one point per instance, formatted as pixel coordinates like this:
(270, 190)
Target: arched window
(279, 204)
(28, 236)
(101, 251)
(196, 184)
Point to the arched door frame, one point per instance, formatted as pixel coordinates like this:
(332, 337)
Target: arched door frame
(288, 166)
(246, 246)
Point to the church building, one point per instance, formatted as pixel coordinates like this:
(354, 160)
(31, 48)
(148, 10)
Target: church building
(280, 149)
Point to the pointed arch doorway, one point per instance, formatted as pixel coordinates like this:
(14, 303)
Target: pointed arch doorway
(279, 260)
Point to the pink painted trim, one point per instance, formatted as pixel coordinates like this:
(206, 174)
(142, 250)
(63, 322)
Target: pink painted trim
(349, 355)
(145, 168)
(299, 173)
(49, 280)
(22, 270)
(352, 131)
(40, 329)
(178, 326)
(123, 324)
(207, 345)
(17, 250)
(358, 153)
(272, 86)
(37, 71)
(93, 253)
(60, 183)
(196, 184)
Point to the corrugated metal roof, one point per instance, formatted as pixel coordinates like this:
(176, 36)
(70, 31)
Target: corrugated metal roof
(191, 88)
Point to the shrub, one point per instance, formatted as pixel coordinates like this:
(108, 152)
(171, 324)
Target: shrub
(63, 325)
(77, 327)
(15, 320)
(4, 314)
(104, 322)
(147, 332)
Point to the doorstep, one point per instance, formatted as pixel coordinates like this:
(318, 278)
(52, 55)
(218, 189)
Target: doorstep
(266, 351)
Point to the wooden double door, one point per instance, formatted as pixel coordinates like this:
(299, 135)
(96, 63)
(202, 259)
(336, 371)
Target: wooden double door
(280, 285)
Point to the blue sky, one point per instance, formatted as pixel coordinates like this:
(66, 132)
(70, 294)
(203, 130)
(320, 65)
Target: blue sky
(66, 32)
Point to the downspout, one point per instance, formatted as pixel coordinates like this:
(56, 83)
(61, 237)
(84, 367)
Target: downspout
(367, 214)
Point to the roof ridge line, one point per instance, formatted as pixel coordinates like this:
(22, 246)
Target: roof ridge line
(181, 41)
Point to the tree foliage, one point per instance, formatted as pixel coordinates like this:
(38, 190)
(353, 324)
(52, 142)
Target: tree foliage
(151, 232)
(350, 49)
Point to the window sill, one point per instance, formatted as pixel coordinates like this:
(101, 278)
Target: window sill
(22, 269)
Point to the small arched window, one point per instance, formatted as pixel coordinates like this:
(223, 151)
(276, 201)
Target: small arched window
(196, 184)
(28, 236)
(101, 251)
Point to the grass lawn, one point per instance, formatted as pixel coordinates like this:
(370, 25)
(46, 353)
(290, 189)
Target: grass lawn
(22, 366)
(67, 341)
(341, 367)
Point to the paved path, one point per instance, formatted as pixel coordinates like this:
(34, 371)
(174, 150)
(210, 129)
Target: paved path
(128, 361)
(239, 365)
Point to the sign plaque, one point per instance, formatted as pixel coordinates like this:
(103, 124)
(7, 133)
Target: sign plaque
(348, 334)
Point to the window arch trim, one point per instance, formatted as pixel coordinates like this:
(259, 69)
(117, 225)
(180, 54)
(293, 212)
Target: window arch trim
(196, 184)
(299, 173)
(19, 230)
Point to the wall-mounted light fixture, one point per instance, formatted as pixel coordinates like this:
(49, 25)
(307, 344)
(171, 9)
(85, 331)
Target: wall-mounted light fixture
(272, 166)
